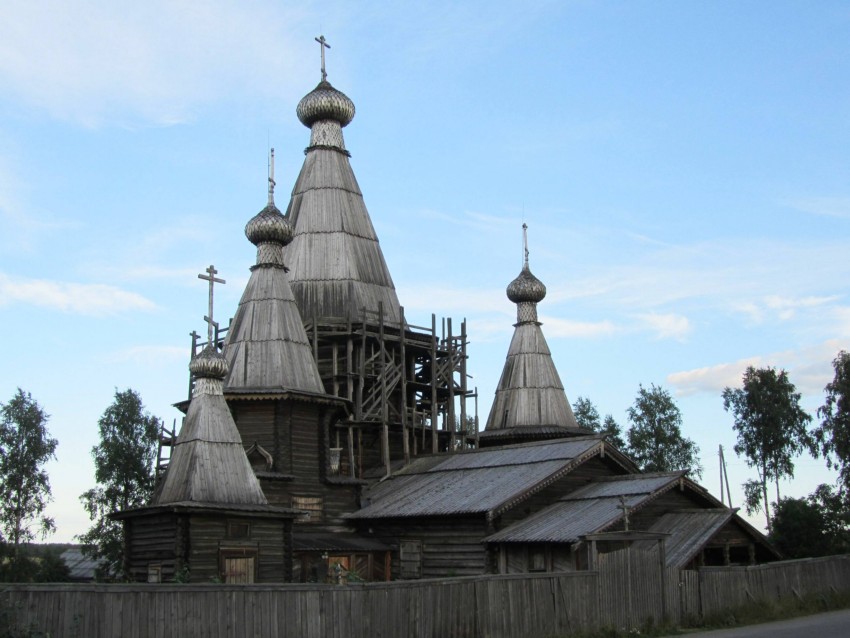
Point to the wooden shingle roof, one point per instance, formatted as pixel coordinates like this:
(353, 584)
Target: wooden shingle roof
(336, 264)
(530, 396)
(266, 346)
(208, 462)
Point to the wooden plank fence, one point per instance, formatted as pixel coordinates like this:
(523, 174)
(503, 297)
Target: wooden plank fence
(626, 591)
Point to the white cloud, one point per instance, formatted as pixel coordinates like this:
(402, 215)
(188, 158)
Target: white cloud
(556, 328)
(667, 326)
(810, 369)
(159, 60)
(823, 206)
(75, 298)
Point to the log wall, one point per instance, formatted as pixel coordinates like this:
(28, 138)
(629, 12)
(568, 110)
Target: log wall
(521, 606)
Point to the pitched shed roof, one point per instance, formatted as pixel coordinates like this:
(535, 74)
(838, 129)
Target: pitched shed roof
(481, 481)
(689, 531)
(587, 510)
(337, 266)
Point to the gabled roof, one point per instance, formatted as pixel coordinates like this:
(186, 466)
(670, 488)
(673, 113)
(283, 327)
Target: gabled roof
(337, 266)
(588, 510)
(485, 481)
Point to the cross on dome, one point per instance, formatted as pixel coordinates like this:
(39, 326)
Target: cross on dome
(272, 183)
(525, 246)
(322, 46)
(211, 277)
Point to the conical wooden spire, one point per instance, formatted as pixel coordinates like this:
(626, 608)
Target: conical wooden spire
(337, 266)
(266, 346)
(530, 400)
(208, 464)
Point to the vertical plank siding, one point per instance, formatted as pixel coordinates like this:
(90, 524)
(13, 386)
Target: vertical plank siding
(509, 606)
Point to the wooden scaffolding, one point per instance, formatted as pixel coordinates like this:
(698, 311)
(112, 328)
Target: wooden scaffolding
(408, 386)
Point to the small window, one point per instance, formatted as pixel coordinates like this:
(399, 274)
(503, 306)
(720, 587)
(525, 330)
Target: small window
(410, 557)
(313, 505)
(238, 529)
(155, 573)
(536, 560)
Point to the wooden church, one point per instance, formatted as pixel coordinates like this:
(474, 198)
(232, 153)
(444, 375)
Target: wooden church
(327, 439)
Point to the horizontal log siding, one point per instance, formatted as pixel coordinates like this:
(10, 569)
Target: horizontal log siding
(152, 539)
(450, 546)
(293, 432)
(255, 422)
(208, 534)
(525, 606)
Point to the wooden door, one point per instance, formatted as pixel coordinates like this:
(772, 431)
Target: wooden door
(239, 570)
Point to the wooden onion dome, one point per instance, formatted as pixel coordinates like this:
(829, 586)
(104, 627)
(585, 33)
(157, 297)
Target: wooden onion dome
(266, 345)
(530, 401)
(337, 266)
(208, 464)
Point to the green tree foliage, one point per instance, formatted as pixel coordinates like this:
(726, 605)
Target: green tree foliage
(655, 439)
(25, 447)
(771, 429)
(587, 417)
(125, 474)
(833, 435)
(818, 525)
(612, 430)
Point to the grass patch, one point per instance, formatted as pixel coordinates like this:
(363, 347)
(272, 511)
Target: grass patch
(751, 614)
(769, 610)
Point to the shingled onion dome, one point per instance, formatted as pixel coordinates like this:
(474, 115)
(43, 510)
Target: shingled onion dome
(530, 402)
(208, 369)
(526, 291)
(325, 110)
(269, 231)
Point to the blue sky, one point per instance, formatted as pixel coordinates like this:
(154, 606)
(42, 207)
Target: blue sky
(684, 169)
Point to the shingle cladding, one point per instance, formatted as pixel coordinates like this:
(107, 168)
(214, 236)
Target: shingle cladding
(336, 264)
(530, 392)
(266, 346)
(586, 510)
(473, 482)
(208, 463)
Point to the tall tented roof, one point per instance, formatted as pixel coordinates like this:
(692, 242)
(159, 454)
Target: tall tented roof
(337, 266)
(530, 399)
(266, 347)
(208, 463)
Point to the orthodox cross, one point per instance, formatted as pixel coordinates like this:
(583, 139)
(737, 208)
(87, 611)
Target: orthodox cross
(271, 179)
(323, 45)
(525, 246)
(625, 509)
(211, 277)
